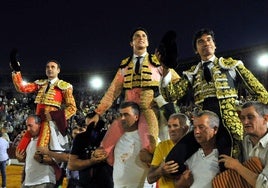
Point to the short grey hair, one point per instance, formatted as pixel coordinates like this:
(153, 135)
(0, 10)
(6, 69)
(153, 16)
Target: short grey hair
(214, 120)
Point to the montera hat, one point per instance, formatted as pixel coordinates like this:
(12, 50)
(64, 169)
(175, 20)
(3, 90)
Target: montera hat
(168, 49)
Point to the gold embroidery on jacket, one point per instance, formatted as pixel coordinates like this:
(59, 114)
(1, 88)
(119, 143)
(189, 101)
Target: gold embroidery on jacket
(144, 79)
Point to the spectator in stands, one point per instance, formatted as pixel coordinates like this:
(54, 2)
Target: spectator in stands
(5, 135)
(4, 145)
(73, 175)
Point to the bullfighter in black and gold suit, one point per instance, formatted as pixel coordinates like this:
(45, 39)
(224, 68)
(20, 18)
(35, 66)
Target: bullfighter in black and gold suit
(215, 90)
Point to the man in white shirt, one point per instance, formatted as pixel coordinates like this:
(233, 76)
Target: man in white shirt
(129, 171)
(37, 174)
(203, 165)
(254, 117)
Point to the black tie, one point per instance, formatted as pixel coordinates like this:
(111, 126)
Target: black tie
(137, 65)
(48, 85)
(207, 73)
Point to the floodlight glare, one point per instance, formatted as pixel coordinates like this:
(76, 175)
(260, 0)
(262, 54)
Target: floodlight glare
(96, 82)
(263, 60)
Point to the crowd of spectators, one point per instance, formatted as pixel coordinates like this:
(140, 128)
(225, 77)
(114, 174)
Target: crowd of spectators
(15, 107)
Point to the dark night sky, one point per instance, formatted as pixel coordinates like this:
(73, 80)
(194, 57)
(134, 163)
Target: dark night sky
(94, 35)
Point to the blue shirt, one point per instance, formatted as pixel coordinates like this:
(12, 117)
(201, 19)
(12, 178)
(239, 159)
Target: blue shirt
(4, 145)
